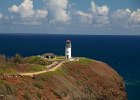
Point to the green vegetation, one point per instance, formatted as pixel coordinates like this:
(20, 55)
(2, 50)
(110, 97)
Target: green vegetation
(39, 84)
(7, 71)
(35, 68)
(59, 58)
(65, 81)
(85, 60)
(7, 88)
(36, 60)
(17, 58)
(38, 95)
(61, 71)
(9, 65)
(44, 76)
(28, 96)
(27, 64)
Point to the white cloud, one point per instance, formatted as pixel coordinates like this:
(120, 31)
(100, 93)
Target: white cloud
(84, 17)
(1, 15)
(102, 10)
(97, 15)
(41, 13)
(57, 10)
(28, 14)
(25, 9)
(121, 17)
(135, 16)
(127, 18)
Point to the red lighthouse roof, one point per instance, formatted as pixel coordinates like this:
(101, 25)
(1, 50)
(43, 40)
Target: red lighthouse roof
(68, 41)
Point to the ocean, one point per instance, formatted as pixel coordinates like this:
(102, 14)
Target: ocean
(120, 52)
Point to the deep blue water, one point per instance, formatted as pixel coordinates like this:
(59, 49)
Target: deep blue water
(120, 52)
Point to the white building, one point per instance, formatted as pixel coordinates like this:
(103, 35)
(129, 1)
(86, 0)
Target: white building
(68, 49)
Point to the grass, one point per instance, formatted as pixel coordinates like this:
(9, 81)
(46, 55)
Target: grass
(60, 58)
(35, 68)
(47, 75)
(2, 82)
(32, 59)
(37, 60)
(85, 60)
(39, 84)
(7, 88)
(5, 70)
(44, 76)
(27, 96)
(38, 95)
(61, 71)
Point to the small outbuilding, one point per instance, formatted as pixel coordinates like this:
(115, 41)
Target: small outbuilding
(49, 55)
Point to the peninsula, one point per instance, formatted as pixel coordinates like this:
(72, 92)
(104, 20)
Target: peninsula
(52, 77)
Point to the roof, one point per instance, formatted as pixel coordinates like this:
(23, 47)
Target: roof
(68, 41)
(49, 54)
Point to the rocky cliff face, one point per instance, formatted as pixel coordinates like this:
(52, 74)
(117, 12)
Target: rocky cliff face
(82, 80)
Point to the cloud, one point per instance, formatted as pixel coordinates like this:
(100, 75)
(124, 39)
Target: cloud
(55, 15)
(135, 17)
(97, 15)
(96, 10)
(57, 10)
(84, 17)
(1, 15)
(25, 9)
(126, 18)
(27, 15)
(41, 13)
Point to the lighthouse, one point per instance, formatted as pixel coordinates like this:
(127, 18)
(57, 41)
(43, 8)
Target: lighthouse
(68, 49)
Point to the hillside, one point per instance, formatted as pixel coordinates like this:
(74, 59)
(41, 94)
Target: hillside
(85, 79)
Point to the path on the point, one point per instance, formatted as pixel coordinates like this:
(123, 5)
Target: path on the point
(44, 71)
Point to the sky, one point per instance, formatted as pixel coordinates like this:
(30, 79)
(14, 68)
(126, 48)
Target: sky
(86, 17)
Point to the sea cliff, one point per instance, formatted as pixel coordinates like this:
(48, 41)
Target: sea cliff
(85, 79)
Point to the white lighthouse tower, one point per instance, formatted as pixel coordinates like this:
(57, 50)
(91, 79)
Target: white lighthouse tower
(68, 49)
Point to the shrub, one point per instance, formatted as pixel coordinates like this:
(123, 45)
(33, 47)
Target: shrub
(11, 90)
(7, 88)
(28, 96)
(38, 95)
(17, 58)
(39, 84)
(36, 60)
(57, 94)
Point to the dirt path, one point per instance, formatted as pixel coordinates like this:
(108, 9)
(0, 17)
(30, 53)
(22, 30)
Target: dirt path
(44, 71)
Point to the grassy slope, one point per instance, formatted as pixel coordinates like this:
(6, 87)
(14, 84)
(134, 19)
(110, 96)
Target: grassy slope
(28, 64)
(85, 79)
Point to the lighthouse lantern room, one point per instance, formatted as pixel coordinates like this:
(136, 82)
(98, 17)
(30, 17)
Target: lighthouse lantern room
(68, 49)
